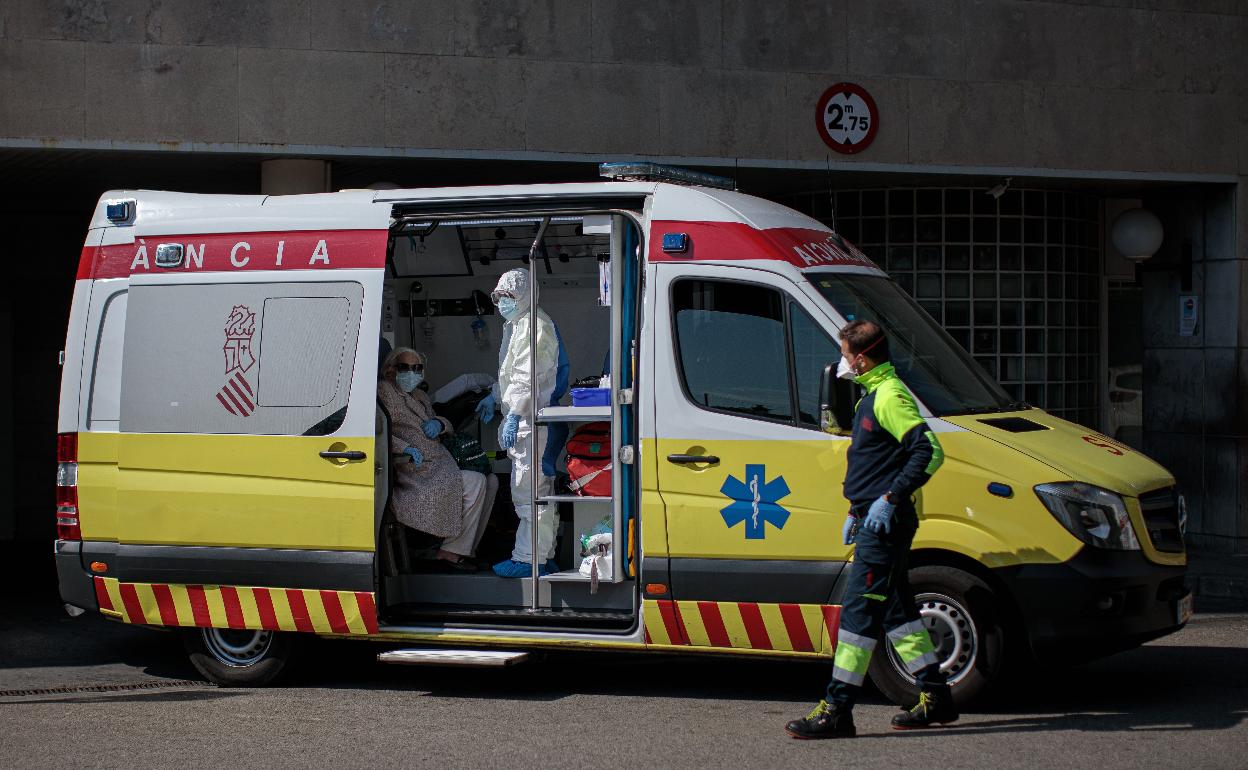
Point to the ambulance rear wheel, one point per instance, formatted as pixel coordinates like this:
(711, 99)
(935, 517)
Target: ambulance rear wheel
(961, 614)
(239, 657)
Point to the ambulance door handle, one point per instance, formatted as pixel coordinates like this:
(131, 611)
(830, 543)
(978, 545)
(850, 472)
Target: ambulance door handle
(352, 455)
(693, 459)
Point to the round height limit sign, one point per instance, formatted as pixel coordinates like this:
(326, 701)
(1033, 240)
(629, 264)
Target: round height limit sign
(847, 118)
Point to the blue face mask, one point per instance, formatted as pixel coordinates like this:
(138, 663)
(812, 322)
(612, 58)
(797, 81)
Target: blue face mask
(507, 308)
(409, 381)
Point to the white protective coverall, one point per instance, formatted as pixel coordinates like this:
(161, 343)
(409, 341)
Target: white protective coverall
(515, 396)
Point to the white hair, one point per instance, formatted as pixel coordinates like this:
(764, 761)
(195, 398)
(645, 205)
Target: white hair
(393, 358)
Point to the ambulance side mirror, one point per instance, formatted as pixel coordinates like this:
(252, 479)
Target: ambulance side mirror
(836, 398)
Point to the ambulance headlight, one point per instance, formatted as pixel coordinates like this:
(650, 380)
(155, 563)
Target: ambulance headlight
(1096, 516)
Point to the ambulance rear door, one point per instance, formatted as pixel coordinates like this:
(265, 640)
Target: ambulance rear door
(751, 486)
(247, 420)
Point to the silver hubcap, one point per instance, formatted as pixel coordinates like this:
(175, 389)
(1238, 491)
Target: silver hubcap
(237, 648)
(953, 635)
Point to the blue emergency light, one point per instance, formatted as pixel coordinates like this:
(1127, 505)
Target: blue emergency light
(118, 212)
(675, 242)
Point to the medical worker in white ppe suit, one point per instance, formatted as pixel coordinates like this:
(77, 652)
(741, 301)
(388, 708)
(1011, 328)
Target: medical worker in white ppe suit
(516, 390)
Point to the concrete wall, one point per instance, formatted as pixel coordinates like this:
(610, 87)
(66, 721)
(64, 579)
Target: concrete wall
(1196, 388)
(1131, 85)
(1133, 88)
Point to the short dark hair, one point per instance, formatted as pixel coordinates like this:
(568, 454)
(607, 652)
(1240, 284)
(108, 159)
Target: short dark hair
(866, 336)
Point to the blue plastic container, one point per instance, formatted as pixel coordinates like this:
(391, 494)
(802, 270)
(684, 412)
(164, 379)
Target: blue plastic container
(591, 397)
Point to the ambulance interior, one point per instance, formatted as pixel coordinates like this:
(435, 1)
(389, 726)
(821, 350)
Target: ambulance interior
(439, 278)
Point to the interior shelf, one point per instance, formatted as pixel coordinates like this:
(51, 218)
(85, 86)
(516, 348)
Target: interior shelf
(569, 576)
(574, 414)
(573, 499)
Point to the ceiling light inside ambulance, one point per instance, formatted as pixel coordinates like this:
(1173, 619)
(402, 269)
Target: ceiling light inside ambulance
(655, 172)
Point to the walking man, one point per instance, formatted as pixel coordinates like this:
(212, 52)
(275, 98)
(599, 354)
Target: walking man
(893, 452)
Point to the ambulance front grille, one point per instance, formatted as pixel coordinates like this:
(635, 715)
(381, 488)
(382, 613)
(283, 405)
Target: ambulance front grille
(1161, 518)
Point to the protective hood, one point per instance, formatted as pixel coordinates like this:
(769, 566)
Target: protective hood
(516, 283)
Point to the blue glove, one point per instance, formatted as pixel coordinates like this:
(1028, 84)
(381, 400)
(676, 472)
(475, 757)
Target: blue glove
(485, 408)
(433, 428)
(415, 454)
(511, 426)
(847, 530)
(880, 516)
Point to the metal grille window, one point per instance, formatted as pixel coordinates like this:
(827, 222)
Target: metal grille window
(1014, 280)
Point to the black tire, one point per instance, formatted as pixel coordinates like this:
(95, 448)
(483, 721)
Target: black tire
(238, 658)
(968, 617)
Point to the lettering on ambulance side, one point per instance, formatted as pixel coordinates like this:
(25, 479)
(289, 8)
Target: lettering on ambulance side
(831, 251)
(755, 502)
(239, 255)
(237, 395)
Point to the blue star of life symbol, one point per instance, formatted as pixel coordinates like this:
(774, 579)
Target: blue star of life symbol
(755, 502)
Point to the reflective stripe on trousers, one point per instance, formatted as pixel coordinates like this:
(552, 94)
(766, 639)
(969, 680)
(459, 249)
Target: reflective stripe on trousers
(853, 656)
(913, 645)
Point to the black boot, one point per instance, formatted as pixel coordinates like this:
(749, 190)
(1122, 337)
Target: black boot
(825, 720)
(933, 708)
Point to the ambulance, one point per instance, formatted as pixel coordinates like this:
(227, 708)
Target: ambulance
(224, 466)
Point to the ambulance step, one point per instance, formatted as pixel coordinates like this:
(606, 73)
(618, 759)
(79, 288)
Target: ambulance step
(474, 658)
(493, 616)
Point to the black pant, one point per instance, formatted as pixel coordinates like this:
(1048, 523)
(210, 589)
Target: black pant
(878, 597)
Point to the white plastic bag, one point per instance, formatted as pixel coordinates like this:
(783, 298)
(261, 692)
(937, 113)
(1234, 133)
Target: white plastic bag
(597, 565)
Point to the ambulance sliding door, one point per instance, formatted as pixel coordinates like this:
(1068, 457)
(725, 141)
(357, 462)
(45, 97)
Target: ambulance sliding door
(247, 429)
(751, 486)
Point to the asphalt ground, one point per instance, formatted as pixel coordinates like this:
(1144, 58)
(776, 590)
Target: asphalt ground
(86, 692)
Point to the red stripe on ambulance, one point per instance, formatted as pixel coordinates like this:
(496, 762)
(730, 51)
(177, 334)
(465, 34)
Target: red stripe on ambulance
(264, 606)
(233, 607)
(795, 625)
(299, 610)
(752, 618)
(732, 241)
(368, 610)
(164, 602)
(199, 606)
(101, 595)
(671, 621)
(716, 633)
(333, 613)
(134, 609)
(229, 252)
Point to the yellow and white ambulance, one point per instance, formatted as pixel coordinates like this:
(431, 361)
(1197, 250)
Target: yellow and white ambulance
(224, 465)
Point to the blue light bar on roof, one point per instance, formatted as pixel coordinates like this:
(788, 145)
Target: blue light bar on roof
(656, 172)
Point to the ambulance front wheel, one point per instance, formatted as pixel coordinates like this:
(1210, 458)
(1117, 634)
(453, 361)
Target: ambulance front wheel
(962, 614)
(239, 657)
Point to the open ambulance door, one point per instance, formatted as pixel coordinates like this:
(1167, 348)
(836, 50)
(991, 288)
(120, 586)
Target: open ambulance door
(246, 469)
(751, 487)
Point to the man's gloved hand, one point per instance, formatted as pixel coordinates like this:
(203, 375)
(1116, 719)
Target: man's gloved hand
(511, 426)
(880, 516)
(432, 428)
(847, 530)
(485, 408)
(415, 454)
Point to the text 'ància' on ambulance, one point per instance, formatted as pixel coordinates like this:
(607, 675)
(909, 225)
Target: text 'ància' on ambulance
(225, 467)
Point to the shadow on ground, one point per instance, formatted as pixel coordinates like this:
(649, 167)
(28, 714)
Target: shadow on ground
(1160, 687)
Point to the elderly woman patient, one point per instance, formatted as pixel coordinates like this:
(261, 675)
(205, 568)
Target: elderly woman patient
(430, 492)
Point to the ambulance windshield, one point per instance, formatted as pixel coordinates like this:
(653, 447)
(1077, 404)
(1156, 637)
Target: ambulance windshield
(932, 365)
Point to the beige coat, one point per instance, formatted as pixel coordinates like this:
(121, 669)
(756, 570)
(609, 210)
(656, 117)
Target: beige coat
(428, 497)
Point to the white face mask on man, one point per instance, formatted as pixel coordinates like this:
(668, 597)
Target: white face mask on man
(844, 370)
